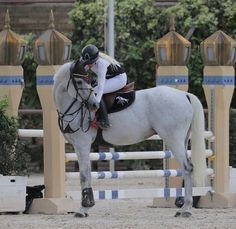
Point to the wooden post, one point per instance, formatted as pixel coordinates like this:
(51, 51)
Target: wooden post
(12, 49)
(219, 87)
(11, 87)
(53, 141)
(51, 50)
(218, 53)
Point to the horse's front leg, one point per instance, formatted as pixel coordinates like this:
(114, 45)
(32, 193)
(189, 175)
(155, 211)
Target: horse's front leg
(85, 180)
(87, 200)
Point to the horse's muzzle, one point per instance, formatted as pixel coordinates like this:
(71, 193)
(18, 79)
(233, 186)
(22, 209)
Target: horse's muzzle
(94, 106)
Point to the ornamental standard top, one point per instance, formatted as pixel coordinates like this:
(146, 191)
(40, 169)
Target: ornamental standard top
(12, 46)
(52, 47)
(218, 49)
(172, 49)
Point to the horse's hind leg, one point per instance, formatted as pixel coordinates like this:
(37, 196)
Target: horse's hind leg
(180, 153)
(187, 169)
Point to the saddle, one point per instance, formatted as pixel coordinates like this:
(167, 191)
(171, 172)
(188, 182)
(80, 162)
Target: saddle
(121, 99)
(116, 101)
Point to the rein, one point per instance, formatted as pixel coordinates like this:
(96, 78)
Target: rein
(82, 110)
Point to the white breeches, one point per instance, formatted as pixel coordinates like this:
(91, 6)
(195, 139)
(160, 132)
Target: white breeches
(114, 83)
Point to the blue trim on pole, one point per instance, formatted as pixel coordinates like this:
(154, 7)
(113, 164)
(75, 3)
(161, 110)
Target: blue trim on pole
(179, 172)
(218, 80)
(101, 195)
(115, 156)
(117, 174)
(114, 175)
(11, 80)
(179, 192)
(166, 192)
(45, 80)
(114, 194)
(101, 175)
(172, 80)
(167, 173)
(102, 156)
(168, 154)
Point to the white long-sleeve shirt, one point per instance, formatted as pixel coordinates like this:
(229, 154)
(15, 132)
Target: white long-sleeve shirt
(100, 69)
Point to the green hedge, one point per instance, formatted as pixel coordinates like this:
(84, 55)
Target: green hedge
(232, 138)
(13, 153)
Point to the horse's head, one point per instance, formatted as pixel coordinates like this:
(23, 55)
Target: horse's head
(79, 87)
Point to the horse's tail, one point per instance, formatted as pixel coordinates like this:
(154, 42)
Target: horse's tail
(198, 148)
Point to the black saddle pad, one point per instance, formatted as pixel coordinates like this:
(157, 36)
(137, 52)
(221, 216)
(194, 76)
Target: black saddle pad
(122, 101)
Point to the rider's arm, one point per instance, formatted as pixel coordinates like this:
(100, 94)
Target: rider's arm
(100, 69)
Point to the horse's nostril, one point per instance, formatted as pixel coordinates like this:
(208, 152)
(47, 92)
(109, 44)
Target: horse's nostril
(95, 106)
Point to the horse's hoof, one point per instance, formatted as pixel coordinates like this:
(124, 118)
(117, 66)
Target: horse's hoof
(80, 215)
(186, 214)
(183, 214)
(177, 214)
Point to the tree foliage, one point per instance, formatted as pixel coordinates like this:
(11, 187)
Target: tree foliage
(30, 97)
(138, 25)
(206, 17)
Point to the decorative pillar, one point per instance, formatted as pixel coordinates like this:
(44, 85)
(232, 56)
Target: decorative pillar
(51, 50)
(219, 53)
(12, 50)
(172, 53)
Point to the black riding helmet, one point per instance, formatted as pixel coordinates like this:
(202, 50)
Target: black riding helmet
(90, 54)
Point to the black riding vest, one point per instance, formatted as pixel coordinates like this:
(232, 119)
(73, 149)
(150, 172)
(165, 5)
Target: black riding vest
(114, 70)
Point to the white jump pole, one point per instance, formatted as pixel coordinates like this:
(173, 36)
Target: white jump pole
(138, 155)
(134, 174)
(140, 193)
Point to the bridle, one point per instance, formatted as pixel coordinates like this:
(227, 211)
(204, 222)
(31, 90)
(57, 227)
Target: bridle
(73, 77)
(82, 110)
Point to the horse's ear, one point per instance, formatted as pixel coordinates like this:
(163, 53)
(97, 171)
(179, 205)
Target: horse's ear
(78, 68)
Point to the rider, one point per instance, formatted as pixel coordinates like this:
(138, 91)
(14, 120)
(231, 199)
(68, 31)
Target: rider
(111, 77)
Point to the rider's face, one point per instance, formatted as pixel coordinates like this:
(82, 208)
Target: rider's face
(90, 65)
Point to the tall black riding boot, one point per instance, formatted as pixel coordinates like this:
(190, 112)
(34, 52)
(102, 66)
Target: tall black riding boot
(103, 120)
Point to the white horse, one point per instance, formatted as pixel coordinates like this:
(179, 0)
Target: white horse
(171, 113)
